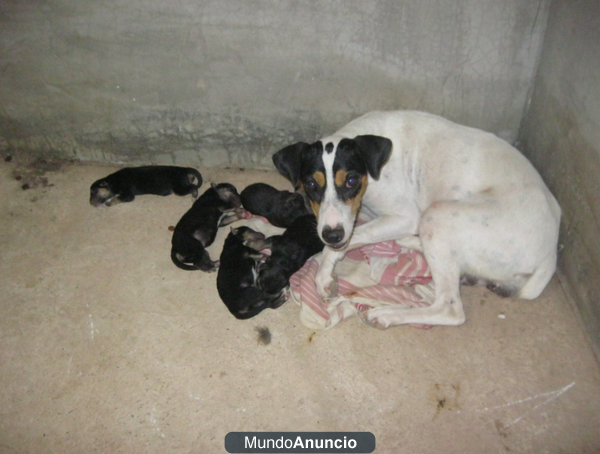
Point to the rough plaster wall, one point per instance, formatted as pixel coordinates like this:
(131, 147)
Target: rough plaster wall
(561, 134)
(228, 82)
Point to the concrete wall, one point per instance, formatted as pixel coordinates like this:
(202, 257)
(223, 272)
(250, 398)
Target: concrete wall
(561, 135)
(227, 82)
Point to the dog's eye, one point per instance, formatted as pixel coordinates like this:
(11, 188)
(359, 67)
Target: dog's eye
(351, 182)
(311, 184)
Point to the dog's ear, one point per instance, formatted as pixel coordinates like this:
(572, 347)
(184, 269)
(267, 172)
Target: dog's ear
(376, 151)
(288, 162)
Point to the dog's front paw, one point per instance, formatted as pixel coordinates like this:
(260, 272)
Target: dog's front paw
(326, 285)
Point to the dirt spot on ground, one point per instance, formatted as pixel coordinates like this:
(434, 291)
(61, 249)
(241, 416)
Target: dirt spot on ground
(31, 172)
(446, 397)
(264, 335)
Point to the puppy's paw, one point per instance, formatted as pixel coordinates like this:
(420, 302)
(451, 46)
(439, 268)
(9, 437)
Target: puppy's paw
(112, 202)
(244, 214)
(208, 266)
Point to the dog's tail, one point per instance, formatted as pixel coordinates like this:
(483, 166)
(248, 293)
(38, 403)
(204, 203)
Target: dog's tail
(177, 261)
(195, 173)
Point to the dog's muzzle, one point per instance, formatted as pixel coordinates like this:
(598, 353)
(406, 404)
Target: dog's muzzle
(333, 236)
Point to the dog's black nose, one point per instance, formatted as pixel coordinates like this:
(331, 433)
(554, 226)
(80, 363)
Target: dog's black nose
(333, 236)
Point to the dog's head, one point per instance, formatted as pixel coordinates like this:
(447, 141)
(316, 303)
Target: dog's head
(101, 192)
(227, 193)
(291, 206)
(334, 173)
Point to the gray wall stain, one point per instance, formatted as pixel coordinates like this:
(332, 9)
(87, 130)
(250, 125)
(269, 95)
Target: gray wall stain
(227, 83)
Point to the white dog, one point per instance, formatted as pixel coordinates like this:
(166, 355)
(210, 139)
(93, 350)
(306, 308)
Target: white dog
(471, 202)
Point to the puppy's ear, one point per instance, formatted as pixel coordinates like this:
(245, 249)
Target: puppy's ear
(376, 151)
(288, 161)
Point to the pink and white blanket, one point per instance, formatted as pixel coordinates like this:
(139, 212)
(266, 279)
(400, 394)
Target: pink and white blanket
(372, 276)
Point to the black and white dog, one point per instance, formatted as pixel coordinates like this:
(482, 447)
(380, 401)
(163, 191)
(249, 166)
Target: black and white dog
(123, 185)
(471, 202)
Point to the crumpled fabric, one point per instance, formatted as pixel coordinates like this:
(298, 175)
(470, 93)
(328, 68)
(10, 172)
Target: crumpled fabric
(374, 275)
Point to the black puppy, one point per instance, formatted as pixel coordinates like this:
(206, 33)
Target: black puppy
(236, 281)
(125, 184)
(289, 252)
(219, 205)
(281, 208)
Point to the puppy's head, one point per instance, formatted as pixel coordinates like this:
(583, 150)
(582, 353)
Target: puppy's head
(255, 301)
(101, 192)
(251, 238)
(228, 195)
(271, 278)
(292, 206)
(334, 172)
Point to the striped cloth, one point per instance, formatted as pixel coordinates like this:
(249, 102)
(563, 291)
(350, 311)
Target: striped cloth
(372, 276)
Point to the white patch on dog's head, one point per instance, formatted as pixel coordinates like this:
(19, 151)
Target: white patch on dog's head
(334, 214)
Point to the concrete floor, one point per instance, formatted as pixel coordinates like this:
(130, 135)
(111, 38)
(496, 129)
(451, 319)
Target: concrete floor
(107, 347)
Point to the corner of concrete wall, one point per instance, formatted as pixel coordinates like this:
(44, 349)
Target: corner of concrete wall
(561, 136)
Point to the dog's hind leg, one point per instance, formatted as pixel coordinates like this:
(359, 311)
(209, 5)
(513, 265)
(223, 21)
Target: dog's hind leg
(184, 188)
(539, 279)
(441, 240)
(206, 264)
(412, 242)
(447, 308)
(501, 241)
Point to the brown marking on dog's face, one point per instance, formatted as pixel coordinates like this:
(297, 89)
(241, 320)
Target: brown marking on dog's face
(356, 201)
(340, 178)
(315, 207)
(319, 178)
